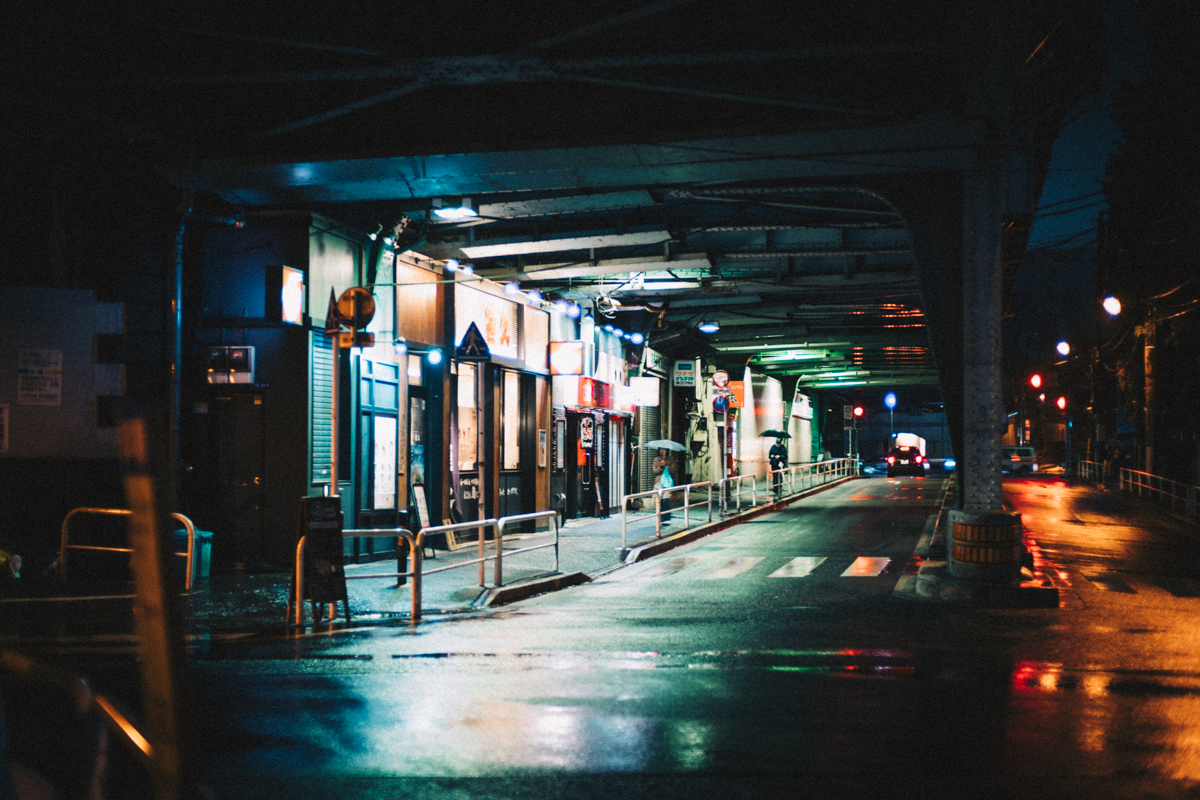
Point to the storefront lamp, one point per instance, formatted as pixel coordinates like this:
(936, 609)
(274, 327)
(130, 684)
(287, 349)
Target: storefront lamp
(435, 356)
(709, 326)
(618, 332)
(512, 287)
(573, 310)
(534, 296)
(637, 338)
(452, 265)
(608, 328)
(467, 269)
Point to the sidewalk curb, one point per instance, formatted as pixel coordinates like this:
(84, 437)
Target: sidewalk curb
(934, 582)
(503, 595)
(655, 547)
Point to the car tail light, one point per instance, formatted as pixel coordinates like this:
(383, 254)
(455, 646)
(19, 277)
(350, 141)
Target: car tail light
(916, 459)
(891, 459)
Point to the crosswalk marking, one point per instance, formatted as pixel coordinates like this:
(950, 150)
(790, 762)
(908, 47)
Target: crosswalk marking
(798, 567)
(669, 567)
(733, 568)
(866, 567)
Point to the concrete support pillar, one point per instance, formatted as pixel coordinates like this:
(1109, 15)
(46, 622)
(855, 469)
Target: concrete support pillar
(985, 539)
(983, 404)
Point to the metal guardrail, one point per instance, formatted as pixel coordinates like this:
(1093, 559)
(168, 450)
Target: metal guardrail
(1181, 496)
(732, 487)
(1159, 488)
(1093, 471)
(189, 570)
(416, 544)
(658, 494)
(798, 479)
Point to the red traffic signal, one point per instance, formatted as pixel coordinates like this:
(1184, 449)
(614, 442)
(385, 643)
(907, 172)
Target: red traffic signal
(1061, 402)
(1035, 381)
(859, 411)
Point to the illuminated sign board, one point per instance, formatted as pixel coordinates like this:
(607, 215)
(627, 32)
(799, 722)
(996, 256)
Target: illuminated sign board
(495, 317)
(643, 392)
(802, 406)
(566, 358)
(291, 296)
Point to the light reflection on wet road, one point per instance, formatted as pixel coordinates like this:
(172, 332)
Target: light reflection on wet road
(767, 656)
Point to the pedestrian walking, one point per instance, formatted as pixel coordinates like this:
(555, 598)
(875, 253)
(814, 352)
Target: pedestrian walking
(664, 479)
(777, 456)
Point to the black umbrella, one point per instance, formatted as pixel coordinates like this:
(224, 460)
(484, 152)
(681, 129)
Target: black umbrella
(776, 434)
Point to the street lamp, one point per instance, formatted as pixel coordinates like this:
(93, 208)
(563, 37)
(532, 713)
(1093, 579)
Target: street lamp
(889, 400)
(1063, 348)
(1112, 305)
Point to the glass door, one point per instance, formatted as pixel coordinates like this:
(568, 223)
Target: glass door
(378, 434)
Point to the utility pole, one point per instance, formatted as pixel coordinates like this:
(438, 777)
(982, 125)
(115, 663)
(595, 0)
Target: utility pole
(1148, 362)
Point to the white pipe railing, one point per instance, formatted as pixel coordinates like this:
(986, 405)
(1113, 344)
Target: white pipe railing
(796, 479)
(658, 495)
(416, 543)
(189, 575)
(737, 482)
(1156, 487)
(1093, 471)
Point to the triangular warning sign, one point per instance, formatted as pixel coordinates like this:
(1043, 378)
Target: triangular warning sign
(474, 346)
(333, 322)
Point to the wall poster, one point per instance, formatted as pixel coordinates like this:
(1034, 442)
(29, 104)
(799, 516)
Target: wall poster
(39, 378)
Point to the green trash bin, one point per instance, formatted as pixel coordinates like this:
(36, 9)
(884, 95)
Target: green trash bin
(203, 554)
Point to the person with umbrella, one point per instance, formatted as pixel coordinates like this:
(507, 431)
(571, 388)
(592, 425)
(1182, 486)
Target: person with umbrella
(777, 456)
(664, 463)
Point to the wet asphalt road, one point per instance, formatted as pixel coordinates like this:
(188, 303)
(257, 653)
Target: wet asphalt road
(769, 660)
(772, 659)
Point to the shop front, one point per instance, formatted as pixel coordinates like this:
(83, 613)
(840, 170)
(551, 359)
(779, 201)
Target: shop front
(499, 458)
(591, 447)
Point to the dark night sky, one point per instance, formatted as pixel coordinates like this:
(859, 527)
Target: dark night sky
(1055, 290)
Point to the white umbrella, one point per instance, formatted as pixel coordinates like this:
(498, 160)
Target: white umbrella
(664, 444)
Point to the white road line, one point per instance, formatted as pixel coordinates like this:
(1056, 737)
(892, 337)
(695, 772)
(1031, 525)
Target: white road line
(733, 568)
(866, 567)
(668, 567)
(798, 567)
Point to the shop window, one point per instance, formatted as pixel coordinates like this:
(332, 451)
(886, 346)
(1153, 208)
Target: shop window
(385, 462)
(511, 411)
(468, 421)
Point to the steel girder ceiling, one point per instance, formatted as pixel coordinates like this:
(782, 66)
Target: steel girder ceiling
(688, 159)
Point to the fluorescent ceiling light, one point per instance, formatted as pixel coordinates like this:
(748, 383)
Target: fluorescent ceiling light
(709, 326)
(559, 245)
(654, 287)
(451, 213)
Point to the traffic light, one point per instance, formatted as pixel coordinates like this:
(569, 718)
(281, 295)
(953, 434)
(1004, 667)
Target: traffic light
(1035, 380)
(859, 412)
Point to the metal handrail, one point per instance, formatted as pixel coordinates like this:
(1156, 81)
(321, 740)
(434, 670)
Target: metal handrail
(190, 554)
(1145, 483)
(416, 543)
(658, 495)
(737, 481)
(1093, 471)
(504, 522)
